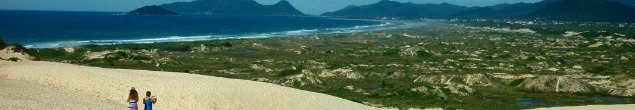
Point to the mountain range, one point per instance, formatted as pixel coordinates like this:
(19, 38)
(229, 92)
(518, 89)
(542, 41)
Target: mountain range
(564, 10)
(586, 10)
(386, 8)
(233, 7)
(502, 10)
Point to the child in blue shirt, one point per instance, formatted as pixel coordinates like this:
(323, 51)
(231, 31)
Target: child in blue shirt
(148, 101)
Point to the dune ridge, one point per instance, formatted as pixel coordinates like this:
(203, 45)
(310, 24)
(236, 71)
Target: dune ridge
(58, 86)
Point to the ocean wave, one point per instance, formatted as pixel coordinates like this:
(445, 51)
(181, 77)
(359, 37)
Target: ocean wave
(382, 26)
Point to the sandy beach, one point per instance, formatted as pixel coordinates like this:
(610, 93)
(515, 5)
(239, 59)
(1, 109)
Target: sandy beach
(48, 85)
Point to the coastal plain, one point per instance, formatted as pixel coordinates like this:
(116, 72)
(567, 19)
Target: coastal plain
(442, 64)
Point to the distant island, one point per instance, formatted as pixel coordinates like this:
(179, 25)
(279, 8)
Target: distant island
(151, 10)
(233, 7)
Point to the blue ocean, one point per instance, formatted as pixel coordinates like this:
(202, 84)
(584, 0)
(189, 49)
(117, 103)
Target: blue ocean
(47, 29)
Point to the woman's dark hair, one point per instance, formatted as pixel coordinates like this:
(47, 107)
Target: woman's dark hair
(148, 93)
(133, 94)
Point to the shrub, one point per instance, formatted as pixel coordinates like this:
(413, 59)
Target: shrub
(19, 48)
(95, 48)
(392, 52)
(297, 70)
(141, 58)
(384, 85)
(336, 64)
(54, 54)
(116, 56)
(227, 44)
(423, 54)
(2, 43)
(505, 56)
(516, 82)
(121, 54)
(211, 45)
(340, 36)
(601, 70)
(179, 48)
(14, 59)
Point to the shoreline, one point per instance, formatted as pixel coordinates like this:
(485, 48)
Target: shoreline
(383, 25)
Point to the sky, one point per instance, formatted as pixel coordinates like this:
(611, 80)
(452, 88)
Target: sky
(314, 7)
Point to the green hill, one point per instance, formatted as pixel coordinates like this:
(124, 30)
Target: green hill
(233, 7)
(151, 10)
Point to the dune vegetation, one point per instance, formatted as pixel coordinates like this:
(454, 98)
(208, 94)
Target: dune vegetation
(454, 65)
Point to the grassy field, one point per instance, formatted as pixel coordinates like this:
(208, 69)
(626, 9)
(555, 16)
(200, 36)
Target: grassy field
(453, 65)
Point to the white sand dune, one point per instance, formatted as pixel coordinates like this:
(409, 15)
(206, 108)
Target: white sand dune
(48, 85)
(8, 52)
(23, 95)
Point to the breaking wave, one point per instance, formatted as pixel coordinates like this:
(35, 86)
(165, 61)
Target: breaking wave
(72, 43)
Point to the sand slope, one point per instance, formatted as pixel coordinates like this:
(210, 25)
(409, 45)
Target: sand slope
(48, 85)
(8, 52)
(23, 95)
(107, 88)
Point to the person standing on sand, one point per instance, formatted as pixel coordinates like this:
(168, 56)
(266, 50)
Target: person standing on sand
(149, 101)
(133, 97)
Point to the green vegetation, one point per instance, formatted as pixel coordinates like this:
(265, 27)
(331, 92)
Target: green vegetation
(17, 48)
(14, 59)
(151, 10)
(392, 52)
(297, 70)
(439, 65)
(21, 49)
(588, 31)
(2, 43)
(59, 54)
